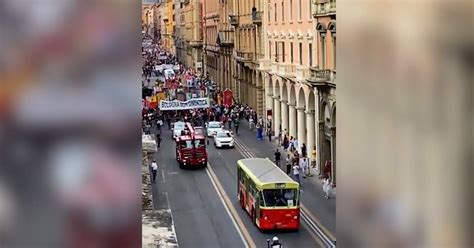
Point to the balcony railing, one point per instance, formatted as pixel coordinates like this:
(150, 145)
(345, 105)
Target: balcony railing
(275, 67)
(324, 75)
(257, 17)
(226, 37)
(286, 70)
(244, 56)
(265, 64)
(233, 20)
(302, 72)
(324, 8)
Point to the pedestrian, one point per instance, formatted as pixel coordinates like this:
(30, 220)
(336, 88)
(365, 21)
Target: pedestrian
(296, 172)
(304, 167)
(303, 150)
(158, 140)
(277, 157)
(288, 164)
(313, 158)
(154, 169)
(269, 133)
(236, 125)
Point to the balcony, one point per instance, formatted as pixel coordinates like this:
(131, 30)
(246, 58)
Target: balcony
(225, 38)
(195, 43)
(233, 20)
(287, 70)
(257, 17)
(302, 73)
(265, 64)
(243, 56)
(275, 67)
(327, 8)
(322, 76)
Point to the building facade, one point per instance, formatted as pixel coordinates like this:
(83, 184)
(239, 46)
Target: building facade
(298, 71)
(246, 17)
(193, 34)
(211, 50)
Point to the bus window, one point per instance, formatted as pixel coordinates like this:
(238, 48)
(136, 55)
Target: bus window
(280, 197)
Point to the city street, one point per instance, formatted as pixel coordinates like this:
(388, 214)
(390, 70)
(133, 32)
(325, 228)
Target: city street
(205, 208)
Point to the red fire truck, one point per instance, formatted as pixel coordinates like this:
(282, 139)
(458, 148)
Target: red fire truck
(191, 148)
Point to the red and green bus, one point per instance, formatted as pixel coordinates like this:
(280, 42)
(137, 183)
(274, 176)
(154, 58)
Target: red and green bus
(268, 194)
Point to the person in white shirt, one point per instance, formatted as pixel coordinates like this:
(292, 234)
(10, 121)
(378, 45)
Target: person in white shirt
(154, 169)
(296, 172)
(304, 166)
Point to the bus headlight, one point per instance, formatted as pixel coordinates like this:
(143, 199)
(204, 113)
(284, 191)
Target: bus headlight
(265, 217)
(295, 217)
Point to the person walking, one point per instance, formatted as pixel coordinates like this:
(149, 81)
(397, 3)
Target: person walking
(269, 133)
(236, 125)
(154, 170)
(288, 164)
(303, 150)
(277, 157)
(304, 167)
(158, 140)
(296, 172)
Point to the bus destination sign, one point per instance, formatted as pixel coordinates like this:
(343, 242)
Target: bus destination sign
(280, 185)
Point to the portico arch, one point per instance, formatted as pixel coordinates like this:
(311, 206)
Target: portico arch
(284, 107)
(301, 107)
(292, 111)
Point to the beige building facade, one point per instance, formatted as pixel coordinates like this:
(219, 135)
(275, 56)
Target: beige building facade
(298, 71)
(192, 13)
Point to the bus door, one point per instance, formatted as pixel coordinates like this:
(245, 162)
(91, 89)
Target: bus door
(258, 202)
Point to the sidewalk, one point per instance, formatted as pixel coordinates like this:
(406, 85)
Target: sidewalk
(312, 188)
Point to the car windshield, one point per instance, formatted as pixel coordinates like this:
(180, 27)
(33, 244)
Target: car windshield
(280, 197)
(199, 143)
(223, 135)
(187, 144)
(214, 125)
(179, 125)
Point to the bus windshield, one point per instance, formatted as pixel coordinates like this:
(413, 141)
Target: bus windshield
(199, 143)
(280, 197)
(187, 144)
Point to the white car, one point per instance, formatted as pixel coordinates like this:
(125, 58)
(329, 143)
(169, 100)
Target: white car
(223, 138)
(169, 74)
(213, 127)
(177, 128)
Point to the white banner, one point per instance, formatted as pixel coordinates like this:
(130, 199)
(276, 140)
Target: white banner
(194, 103)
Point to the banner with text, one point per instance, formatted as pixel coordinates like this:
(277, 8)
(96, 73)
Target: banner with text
(194, 103)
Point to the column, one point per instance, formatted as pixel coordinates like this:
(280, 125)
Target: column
(292, 119)
(269, 105)
(284, 116)
(310, 126)
(321, 136)
(333, 156)
(301, 127)
(276, 119)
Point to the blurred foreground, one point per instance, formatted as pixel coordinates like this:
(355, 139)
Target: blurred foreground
(70, 128)
(405, 144)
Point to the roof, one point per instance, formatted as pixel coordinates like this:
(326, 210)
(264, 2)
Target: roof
(263, 171)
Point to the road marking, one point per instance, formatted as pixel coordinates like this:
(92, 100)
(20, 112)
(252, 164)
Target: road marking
(172, 218)
(163, 176)
(309, 219)
(318, 223)
(173, 173)
(231, 211)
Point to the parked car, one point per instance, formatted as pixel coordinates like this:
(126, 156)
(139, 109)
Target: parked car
(223, 138)
(213, 127)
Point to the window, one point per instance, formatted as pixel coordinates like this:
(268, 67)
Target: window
(270, 48)
(280, 197)
(310, 51)
(334, 50)
(310, 9)
(275, 13)
(291, 10)
(291, 53)
(323, 51)
(268, 12)
(301, 53)
(299, 10)
(283, 52)
(276, 51)
(282, 11)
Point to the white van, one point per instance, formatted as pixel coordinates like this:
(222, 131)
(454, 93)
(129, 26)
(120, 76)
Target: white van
(169, 74)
